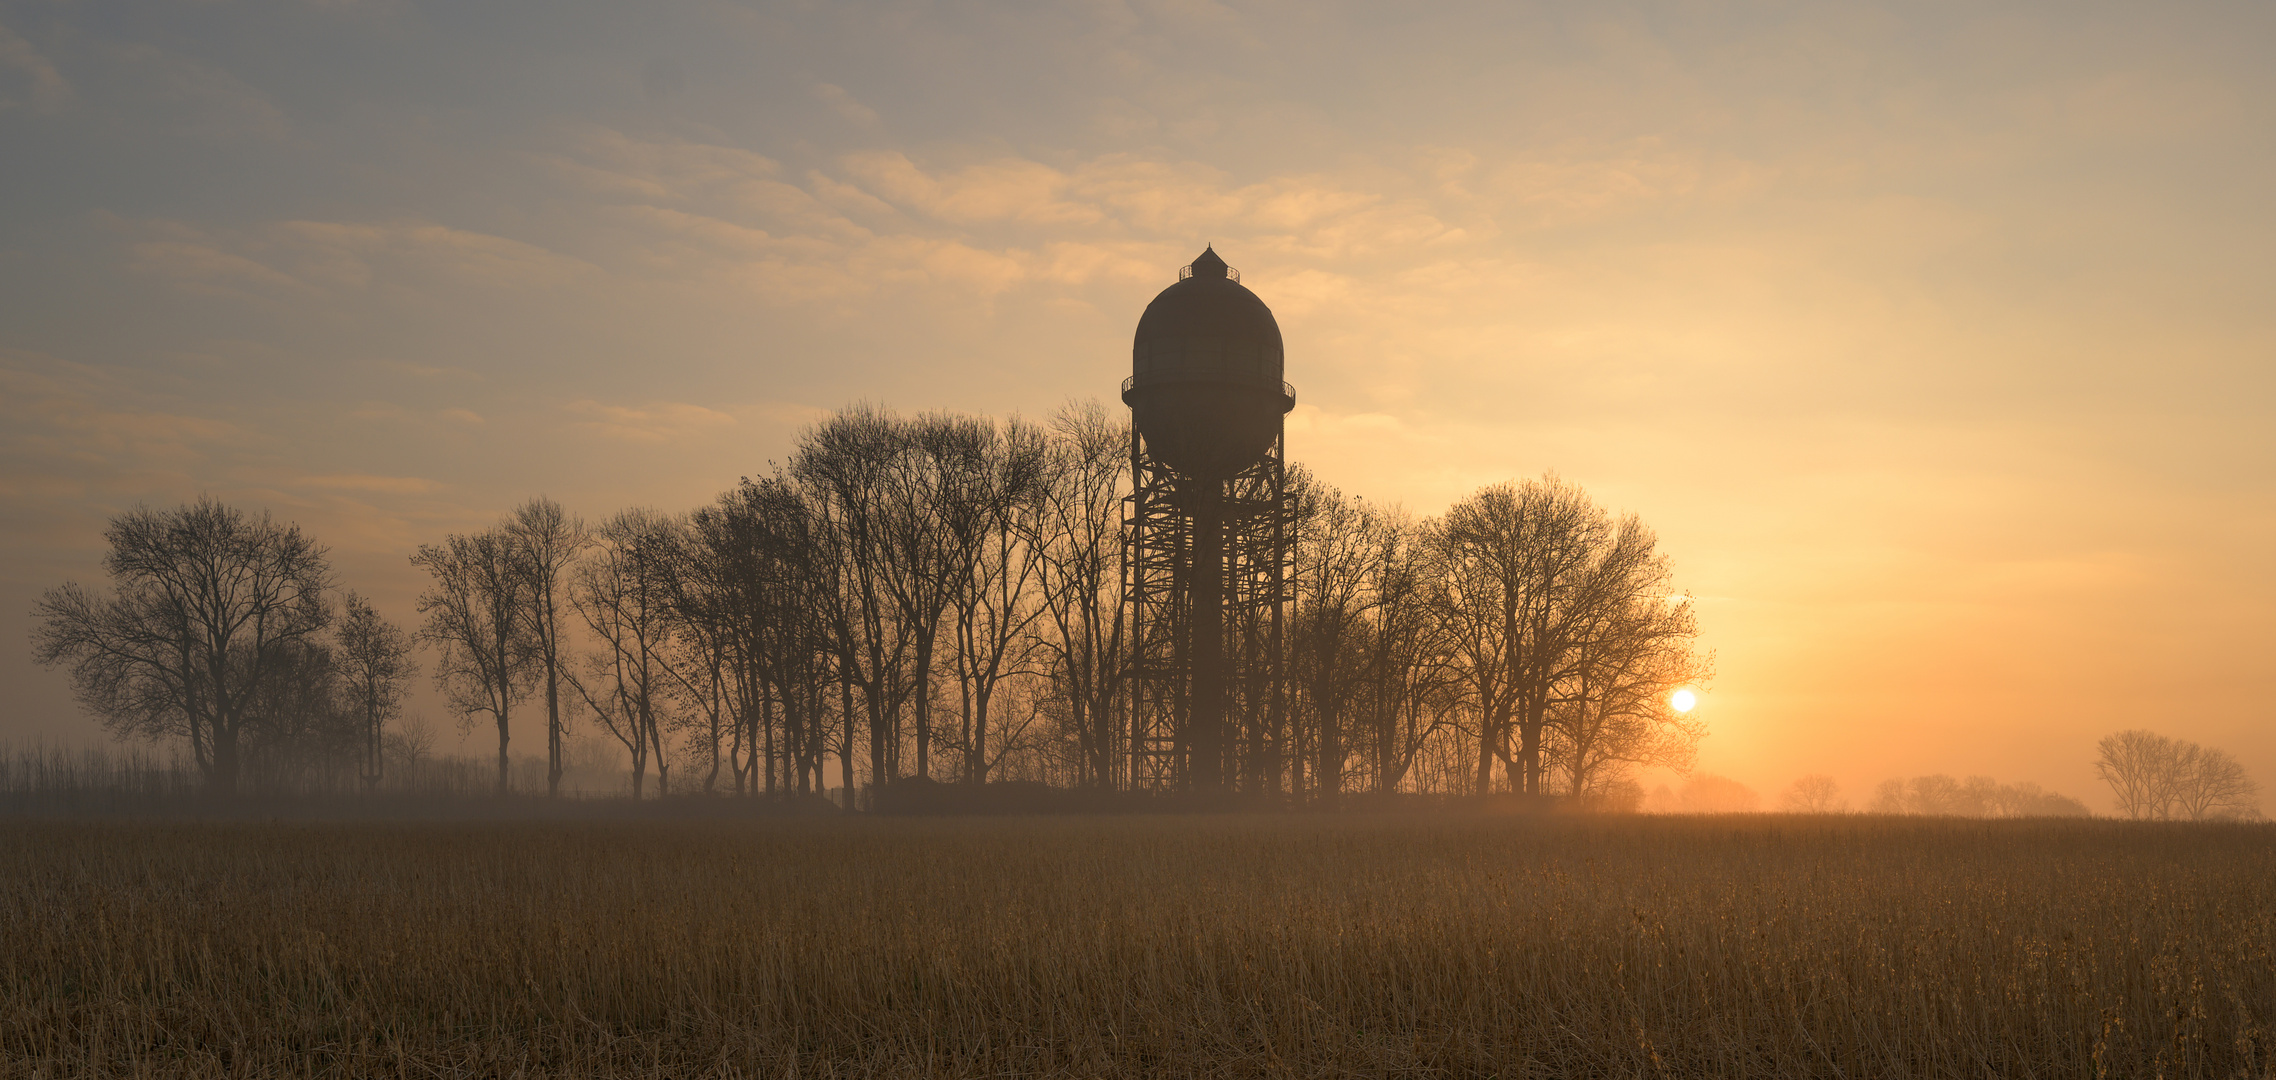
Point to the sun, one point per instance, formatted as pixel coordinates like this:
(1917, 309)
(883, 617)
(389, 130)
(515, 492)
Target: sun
(1683, 700)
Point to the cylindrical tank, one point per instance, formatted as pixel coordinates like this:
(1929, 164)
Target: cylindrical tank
(1205, 385)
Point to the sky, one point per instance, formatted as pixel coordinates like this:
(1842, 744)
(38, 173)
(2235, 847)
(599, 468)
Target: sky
(1935, 339)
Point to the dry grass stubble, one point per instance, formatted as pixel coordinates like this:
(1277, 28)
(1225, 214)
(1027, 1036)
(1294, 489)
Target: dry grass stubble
(1296, 946)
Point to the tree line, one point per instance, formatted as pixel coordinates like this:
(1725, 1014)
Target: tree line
(933, 598)
(2160, 778)
(2151, 777)
(1939, 795)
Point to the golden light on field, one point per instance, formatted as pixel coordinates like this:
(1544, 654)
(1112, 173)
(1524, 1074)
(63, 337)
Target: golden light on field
(1777, 947)
(1683, 700)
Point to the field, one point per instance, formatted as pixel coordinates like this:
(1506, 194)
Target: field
(1303, 946)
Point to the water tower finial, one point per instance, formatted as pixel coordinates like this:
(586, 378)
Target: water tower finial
(1207, 264)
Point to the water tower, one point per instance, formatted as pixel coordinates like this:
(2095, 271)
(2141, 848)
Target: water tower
(1209, 544)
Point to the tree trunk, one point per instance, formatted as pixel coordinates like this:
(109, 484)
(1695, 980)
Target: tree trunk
(505, 782)
(1488, 727)
(845, 751)
(1328, 770)
(552, 724)
(924, 704)
(766, 722)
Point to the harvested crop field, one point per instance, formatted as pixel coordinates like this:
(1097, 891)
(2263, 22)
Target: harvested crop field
(1307, 946)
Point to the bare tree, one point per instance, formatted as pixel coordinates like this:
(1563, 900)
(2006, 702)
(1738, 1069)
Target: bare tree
(1816, 793)
(1935, 795)
(299, 724)
(622, 594)
(713, 674)
(1939, 795)
(843, 464)
(1529, 628)
(2141, 768)
(208, 603)
(475, 618)
(374, 660)
(1613, 710)
(411, 742)
(1412, 688)
(2160, 778)
(794, 589)
(1080, 542)
(1338, 540)
(705, 561)
(739, 587)
(996, 537)
(1477, 594)
(2027, 799)
(2212, 785)
(934, 511)
(546, 540)
(1524, 573)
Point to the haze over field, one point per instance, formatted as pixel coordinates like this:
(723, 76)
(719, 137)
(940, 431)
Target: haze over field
(1934, 341)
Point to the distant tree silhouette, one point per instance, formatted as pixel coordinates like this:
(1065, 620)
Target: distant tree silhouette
(939, 585)
(930, 468)
(546, 539)
(1558, 611)
(2154, 777)
(300, 720)
(1338, 541)
(1614, 711)
(1413, 695)
(2139, 766)
(998, 536)
(894, 572)
(1813, 794)
(622, 593)
(1506, 562)
(749, 591)
(842, 466)
(2214, 786)
(1939, 795)
(475, 618)
(712, 673)
(1079, 540)
(210, 609)
(374, 660)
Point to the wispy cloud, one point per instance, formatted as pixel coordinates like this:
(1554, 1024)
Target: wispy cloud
(66, 420)
(297, 260)
(28, 80)
(653, 423)
(843, 104)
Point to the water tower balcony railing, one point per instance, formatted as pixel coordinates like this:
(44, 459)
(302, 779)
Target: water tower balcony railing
(1287, 389)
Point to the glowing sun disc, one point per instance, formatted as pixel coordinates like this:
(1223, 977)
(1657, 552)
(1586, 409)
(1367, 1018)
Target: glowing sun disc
(1683, 700)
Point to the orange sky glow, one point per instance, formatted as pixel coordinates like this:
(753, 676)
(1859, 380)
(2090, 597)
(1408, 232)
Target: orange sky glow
(1934, 340)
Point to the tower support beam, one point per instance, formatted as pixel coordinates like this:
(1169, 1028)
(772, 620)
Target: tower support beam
(1207, 568)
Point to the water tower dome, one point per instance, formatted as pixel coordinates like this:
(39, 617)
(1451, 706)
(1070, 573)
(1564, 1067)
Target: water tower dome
(1205, 387)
